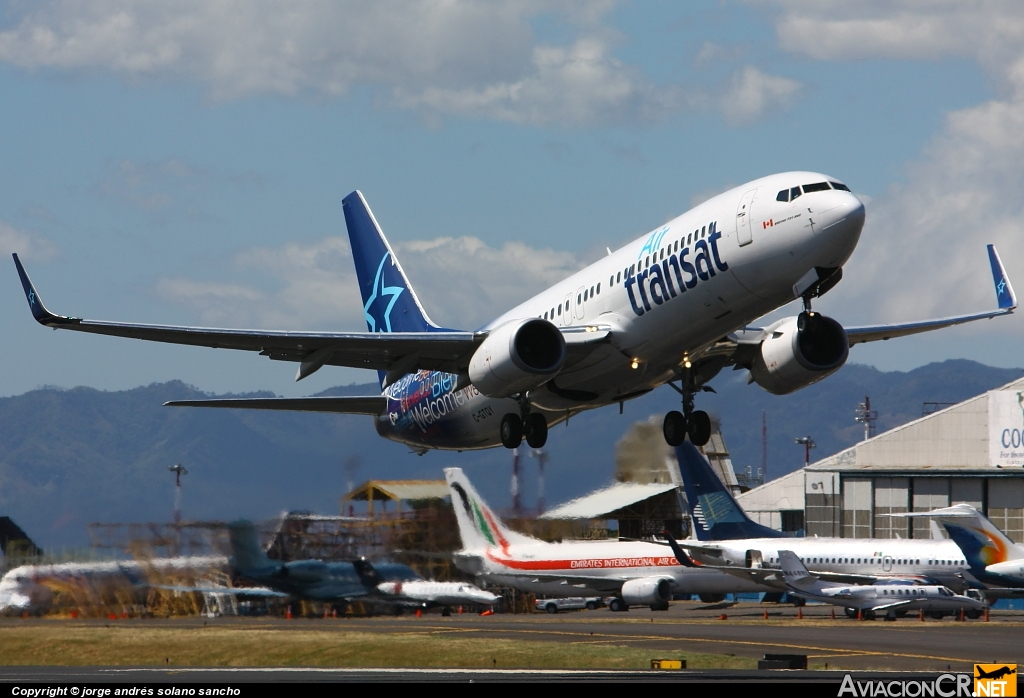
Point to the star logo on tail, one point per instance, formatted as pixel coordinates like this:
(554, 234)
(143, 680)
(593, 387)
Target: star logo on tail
(379, 292)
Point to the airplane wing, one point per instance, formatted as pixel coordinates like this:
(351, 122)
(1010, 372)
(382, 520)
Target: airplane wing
(401, 352)
(1006, 299)
(372, 405)
(234, 591)
(740, 348)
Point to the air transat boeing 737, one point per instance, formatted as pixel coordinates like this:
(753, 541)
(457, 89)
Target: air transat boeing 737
(673, 306)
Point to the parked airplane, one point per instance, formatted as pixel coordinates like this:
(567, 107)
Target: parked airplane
(871, 599)
(30, 587)
(727, 536)
(854, 593)
(635, 572)
(992, 558)
(358, 580)
(673, 306)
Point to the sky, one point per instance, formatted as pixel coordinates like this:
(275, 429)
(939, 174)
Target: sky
(184, 162)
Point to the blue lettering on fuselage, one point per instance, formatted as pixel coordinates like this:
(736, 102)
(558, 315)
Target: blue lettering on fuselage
(663, 281)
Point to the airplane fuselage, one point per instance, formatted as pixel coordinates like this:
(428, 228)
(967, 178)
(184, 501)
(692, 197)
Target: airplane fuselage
(666, 296)
(938, 560)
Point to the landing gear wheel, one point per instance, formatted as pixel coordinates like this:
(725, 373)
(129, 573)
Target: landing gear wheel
(536, 429)
(511, 431)
(699, 427)
(674, 428)
(616, 605)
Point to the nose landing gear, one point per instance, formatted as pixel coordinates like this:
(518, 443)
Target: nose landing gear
(690, 422)
(532, 425)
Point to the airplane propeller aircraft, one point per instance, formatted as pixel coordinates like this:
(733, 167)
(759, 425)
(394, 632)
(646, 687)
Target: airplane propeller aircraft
(673, 306)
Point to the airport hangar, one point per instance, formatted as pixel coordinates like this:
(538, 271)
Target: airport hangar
(970, 452)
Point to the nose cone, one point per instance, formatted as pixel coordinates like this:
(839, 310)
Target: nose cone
(838, 227)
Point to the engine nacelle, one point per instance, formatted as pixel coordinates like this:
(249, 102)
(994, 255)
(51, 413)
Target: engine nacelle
(516, 357)
(647, 590)
(800, 351)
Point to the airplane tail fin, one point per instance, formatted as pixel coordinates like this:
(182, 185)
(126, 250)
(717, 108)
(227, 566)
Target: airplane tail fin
(716, 515)
(246, 553)
(479, 527)
(981, 542)
(794, 571)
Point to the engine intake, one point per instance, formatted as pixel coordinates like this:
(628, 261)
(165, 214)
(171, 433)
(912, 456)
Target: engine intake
(799, 351)
(516, 357)
(647, 590)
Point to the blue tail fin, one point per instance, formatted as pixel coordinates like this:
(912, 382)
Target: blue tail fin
(714, 512)
(389, 303)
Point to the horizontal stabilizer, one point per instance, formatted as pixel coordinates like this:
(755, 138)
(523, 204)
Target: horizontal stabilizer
(371, 404)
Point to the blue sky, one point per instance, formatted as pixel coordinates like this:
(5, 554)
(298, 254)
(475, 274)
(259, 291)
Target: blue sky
(185, 162)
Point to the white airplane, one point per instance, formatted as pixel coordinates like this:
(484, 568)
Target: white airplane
(673, 306)
(871, 599)
(30, 587)
(430, 593)
(635, 572)
(992, 558)
(726, 536)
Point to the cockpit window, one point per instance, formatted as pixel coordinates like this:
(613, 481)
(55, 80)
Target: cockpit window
(840, 186)
(817, 186)
(793, 193)
(783, 195)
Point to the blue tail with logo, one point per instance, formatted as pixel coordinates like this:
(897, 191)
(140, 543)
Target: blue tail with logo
(714, 512)
(389, 303)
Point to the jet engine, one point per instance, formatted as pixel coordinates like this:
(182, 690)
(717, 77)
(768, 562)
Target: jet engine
(517, 357)
(648, 590)
(304, 571)
(799, 351)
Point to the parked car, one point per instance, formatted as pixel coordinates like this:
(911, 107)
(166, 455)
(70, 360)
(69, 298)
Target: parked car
(571, 603)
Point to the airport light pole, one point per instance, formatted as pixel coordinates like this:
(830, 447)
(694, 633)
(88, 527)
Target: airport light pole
(178, 469)
(808, 443)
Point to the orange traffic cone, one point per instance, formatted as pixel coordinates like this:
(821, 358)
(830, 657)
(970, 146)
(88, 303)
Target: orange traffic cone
(288, 613)
(860, 614)
(419, 612)
(766, 614)
(961, 615)
(921, 615)
(833, 614)
(723, 617)
(460, 609)
(799, 613)
(986, 614)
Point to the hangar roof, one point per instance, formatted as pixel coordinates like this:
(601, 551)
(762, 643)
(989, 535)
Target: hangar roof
(398, 490)
(608, 500)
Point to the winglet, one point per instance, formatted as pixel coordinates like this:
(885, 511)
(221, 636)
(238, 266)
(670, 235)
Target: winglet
(680, 554)
(1004, 291)
(35, 303)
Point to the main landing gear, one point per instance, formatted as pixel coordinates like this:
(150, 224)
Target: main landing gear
(693, 423)
(532, 425)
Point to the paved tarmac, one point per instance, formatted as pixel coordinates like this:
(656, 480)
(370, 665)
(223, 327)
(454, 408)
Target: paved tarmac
(907, 644)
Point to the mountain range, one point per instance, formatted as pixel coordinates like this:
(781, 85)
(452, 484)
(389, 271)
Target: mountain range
(69, 457)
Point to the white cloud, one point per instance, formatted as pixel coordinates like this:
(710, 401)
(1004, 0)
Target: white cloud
(27, 245)
(437, 57)
(462, 282)
(923, 249)
(753, 93)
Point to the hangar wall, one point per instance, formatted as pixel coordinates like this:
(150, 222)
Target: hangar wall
(971, 452)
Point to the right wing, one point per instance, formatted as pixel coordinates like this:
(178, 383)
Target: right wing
(397, 353)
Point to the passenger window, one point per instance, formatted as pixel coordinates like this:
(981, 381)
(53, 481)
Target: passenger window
(840, 186)
(703, 232)
(689, 239)
(794, 193)
(611, 280)
(552, 313)
(591, 291)
(783, 195)
(618, 277)
(559, 309)
(579, 298)
(599, 289)
(677, 246)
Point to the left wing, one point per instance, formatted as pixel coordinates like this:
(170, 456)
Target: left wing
(741, 347)
(372, 404)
